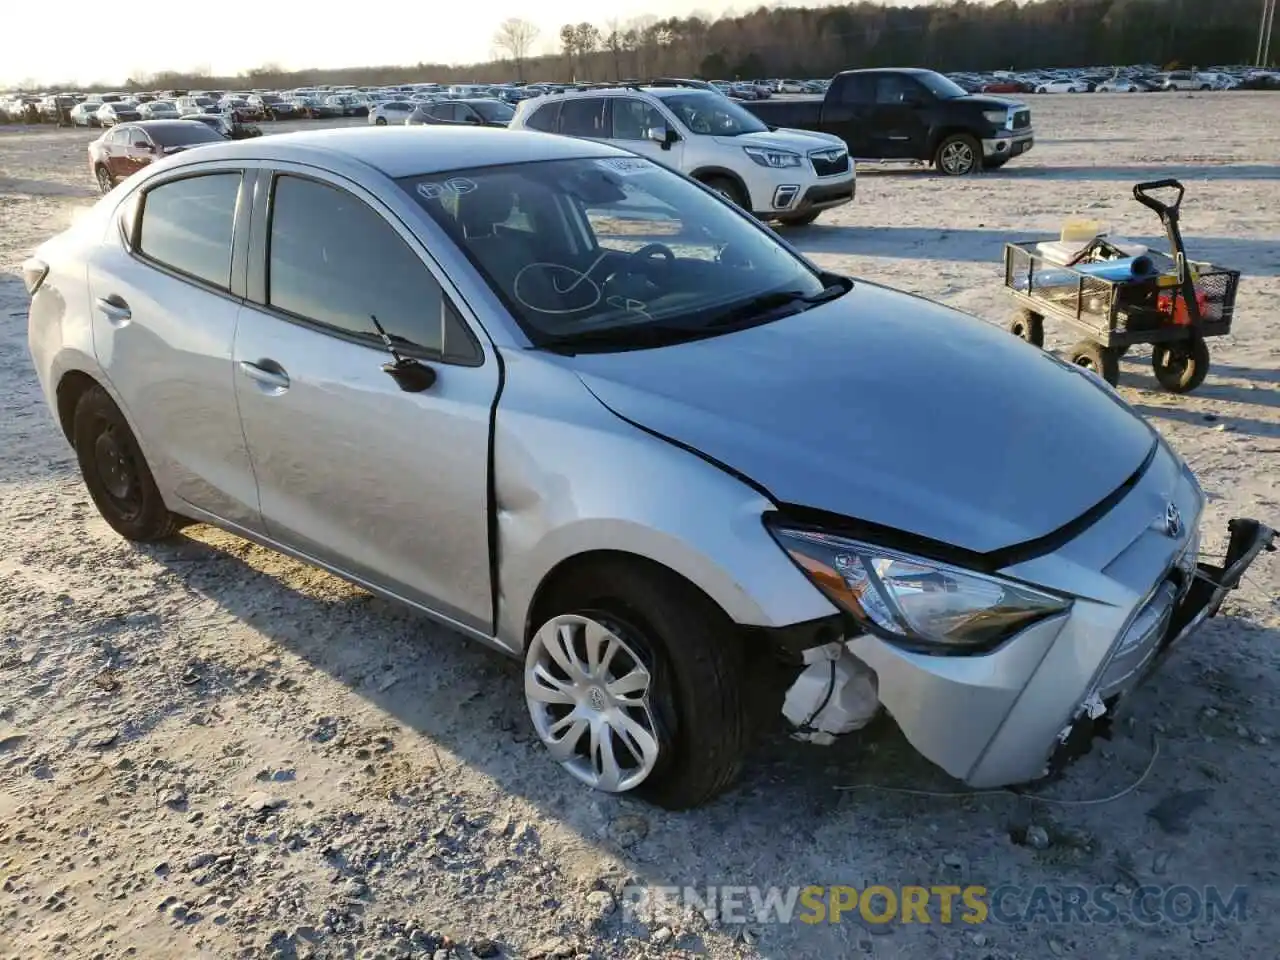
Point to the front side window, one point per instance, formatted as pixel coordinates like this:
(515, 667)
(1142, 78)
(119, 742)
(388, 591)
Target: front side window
(336, 261)
(188, 224)
(633, 119)
(614, 249)
(704, 112)
(494, 111)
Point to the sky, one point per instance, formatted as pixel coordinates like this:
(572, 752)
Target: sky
(155, 35)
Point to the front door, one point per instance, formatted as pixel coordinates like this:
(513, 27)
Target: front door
(633, 120)
(385, 485)
(163, 324)
(899, 124)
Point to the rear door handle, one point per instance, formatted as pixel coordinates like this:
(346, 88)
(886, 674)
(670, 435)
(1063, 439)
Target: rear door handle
(114, 309)
(269, 376)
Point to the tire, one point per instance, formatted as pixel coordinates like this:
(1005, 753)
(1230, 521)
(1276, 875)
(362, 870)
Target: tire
(800, 219)
(380, 122)
(1101, 360)
(958, 155)
(1029, 326)
(105, 181)
(115, 471)
(1182, 365)
(692, 709)
(729, 190)
(1041, 90)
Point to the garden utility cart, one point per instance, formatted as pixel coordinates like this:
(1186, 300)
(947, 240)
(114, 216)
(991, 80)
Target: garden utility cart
(1114, 299)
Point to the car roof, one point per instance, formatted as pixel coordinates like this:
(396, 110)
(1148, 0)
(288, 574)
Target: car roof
(159, 124)
(405, 151)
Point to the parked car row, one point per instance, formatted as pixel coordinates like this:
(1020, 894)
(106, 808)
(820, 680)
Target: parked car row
(1127, 79)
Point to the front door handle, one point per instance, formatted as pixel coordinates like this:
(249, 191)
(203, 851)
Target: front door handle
(266, 372)
(114, 308)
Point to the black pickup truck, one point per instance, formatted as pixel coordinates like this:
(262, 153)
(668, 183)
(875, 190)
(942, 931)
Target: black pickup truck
(903, 114)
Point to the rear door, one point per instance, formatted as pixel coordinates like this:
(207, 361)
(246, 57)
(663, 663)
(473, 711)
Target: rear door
(847, 112)
(387, 486)
(165, 306)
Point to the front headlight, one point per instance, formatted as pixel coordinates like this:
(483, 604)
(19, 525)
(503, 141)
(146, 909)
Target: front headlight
(777, 159)
(997, 117)
(918, 603)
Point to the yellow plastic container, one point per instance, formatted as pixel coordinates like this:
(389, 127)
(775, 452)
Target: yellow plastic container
(1077, 229)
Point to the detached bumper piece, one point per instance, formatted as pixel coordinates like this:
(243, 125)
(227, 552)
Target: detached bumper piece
(1210, 583)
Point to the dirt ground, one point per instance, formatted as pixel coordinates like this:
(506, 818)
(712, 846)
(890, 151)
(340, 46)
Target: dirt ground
(208, 750)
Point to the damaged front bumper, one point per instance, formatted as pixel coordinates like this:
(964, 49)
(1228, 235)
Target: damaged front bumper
(1015, 714)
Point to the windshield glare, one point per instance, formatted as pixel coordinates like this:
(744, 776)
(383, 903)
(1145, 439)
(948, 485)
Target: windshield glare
(619, 244)
(944, 88)
(711, 114)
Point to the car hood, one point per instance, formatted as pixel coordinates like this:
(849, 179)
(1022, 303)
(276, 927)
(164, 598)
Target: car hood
(987, 101)
(799, 141)
(889, 409)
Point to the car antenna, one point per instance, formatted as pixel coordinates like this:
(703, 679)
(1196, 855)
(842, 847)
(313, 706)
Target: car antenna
(410, 375)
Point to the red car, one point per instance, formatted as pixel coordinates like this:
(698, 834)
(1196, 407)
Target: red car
(128, 147)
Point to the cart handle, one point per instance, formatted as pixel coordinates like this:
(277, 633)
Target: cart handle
(1142, 195)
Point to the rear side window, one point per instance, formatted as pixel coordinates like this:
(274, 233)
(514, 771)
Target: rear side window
(584, 117)
(334, 260)
(544, 118)
(188, 224)
(856, 88)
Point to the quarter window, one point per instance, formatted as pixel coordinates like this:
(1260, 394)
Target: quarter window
(334, 260)
(544, 118)
(188, 224)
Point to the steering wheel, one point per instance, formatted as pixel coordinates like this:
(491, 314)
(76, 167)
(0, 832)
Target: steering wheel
(651, 250)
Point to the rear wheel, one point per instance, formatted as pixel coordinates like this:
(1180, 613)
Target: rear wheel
(634, 683)
(958, 155)
(115, 471)
(380, 122)
(1101, 360)
(1181, 366)
(1029, 326)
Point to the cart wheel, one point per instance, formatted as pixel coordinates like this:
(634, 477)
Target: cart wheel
(1029, 326)
(1101, 360)
(1181, 366)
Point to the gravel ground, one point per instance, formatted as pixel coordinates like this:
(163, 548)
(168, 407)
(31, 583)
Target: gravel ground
(209, 750)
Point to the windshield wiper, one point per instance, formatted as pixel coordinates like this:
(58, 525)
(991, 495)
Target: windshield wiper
(761, 308)
(637, 336)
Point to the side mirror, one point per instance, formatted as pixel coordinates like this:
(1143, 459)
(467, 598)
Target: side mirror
(143, 145)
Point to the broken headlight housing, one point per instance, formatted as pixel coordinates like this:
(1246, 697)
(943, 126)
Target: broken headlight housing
(915, 602)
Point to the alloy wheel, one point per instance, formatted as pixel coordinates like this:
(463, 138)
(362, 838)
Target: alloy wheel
(104, 180)
(957, 158)
(588, 694)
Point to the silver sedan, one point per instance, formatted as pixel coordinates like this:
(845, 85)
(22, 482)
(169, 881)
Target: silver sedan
(582, 410)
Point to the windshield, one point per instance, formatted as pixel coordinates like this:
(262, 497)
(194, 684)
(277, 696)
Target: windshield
(711, 114)
(941, 87)
(186, 132)
(493, 110)
(614, 251)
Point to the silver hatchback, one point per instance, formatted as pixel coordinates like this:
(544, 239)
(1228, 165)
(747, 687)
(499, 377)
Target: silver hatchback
(583, 410)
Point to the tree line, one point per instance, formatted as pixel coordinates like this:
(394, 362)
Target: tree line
(818, 42)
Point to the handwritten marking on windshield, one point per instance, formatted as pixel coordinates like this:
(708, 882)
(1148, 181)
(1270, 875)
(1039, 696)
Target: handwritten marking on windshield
(453, 187)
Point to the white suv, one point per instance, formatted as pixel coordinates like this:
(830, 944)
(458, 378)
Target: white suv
(786, 175)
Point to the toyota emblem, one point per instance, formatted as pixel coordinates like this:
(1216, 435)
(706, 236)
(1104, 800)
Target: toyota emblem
(1172, 521)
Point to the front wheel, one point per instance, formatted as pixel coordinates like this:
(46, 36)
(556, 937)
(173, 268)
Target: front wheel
(634, 683)
(105, 181)
(1181, 366)
(800, 219)
(380, 122)
(1101, 360)
(729, 190)
(1029, 326)
(115, 471)
(958, 155)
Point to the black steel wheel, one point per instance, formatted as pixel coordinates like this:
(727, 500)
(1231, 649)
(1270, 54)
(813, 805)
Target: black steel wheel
(1101, 360)
(1029, 326)
(1182, 365)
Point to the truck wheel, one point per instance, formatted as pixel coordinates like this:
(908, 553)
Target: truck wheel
(635, 683)
(1094, 356)
(958, 155)
(729, 190)
(1029, 326)
(1181, 366)
(800, 219)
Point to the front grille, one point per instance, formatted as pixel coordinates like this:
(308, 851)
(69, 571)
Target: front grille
(1021, 119)
(830, 163)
